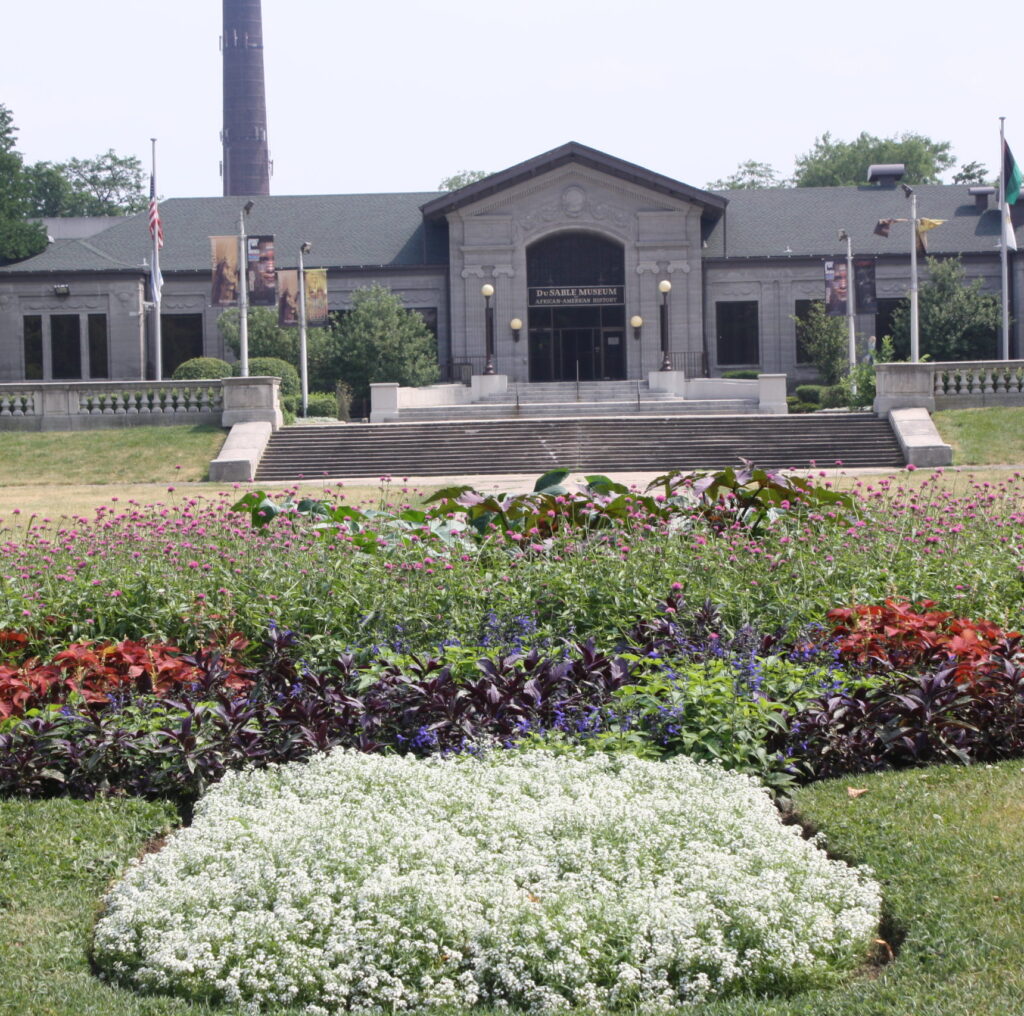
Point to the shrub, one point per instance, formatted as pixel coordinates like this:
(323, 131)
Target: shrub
(202, 368)
(809, 393)
(514, 879)
(833, 397)
(271, 366)
(323, 404)
(741, 375)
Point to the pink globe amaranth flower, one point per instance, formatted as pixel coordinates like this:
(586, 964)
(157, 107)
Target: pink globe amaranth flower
(911, 467)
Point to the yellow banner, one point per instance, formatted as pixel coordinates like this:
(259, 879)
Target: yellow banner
(224, 254)
(316, 297)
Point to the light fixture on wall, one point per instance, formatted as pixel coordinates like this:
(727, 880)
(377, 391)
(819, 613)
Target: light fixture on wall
(664, 287)
(62, 289)
(517, 326)
(487, 291)
(636, 323)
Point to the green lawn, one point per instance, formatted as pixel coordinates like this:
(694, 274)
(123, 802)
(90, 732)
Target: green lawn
(983, 436)
(945, 843)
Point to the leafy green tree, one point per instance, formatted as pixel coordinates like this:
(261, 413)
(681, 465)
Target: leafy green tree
(377, 340)
(109, 184)
(19, 237)
(834, 163)
(825, 341)
(266, 338)
(463, 178)
(957, 321)
(750, 175)
(970, 173)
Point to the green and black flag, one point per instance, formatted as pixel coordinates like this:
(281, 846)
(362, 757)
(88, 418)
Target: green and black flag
(1012, 176)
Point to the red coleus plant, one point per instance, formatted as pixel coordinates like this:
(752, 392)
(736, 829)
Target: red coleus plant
(899, 636)
(95, 670)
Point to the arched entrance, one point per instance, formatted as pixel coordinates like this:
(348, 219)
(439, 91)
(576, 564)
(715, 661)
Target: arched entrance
(577, 314)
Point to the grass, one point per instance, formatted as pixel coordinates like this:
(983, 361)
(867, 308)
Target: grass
(124, 455)
(983, 436)
(945, 842)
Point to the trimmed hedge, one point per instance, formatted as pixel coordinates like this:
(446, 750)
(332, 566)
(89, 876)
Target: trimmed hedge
(810, 393)
(272, 366)
(202, 368)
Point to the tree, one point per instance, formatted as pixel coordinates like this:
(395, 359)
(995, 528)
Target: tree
(109, 184)
(970, 173)
(832, 163)
(749, 175)
(377, 340)
(266, 338)
(463, 178)
(825, 342)
(19, 237)
(957, 321)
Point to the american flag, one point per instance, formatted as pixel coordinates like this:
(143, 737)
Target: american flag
(156, 227)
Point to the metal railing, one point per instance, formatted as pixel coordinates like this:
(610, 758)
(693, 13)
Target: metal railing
(459, 370)
(693, 363)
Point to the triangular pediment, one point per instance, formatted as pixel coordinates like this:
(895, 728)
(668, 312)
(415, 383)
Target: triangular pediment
(712, 205)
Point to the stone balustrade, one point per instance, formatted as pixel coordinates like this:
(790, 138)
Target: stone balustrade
(970, 384)
(94, 405)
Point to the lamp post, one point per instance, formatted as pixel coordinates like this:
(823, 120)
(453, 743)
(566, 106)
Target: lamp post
(487, 291)
(850, 308)
(303, 366)
(915, 345)
(243, 291)
(664, 287)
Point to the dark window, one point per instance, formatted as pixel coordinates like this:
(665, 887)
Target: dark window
(99, 359)
(738, 340)
(66, 347)
(181, 339)
(575, 259)
(801, 313)
(33, 331)
(883, 324)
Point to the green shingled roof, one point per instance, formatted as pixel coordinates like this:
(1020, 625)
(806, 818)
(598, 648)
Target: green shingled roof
(345, 230)
(763, 223)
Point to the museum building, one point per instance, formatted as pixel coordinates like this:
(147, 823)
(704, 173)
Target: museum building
(577, 244)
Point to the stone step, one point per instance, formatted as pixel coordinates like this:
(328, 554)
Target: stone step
(485, 410)
(594, 444)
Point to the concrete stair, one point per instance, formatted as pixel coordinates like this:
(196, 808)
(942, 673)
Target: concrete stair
(600, 444)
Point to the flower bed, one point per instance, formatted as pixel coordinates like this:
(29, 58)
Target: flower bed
(358, 883)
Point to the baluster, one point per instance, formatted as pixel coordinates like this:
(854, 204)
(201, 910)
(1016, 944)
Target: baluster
(5, 406)
(989, 378)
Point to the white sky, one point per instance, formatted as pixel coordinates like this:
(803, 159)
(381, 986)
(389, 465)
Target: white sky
(395, 95)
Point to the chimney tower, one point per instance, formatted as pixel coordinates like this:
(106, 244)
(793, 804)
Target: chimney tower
(246, 165)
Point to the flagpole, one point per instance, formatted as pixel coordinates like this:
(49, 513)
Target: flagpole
(157, 281)
(1004, 260)
(915, 341)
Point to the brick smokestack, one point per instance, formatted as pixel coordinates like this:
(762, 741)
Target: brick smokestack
(246, 167)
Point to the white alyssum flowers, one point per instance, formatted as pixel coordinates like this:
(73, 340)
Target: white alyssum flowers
(541, 882)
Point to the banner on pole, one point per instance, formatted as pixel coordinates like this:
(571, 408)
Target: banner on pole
(288, 298)
(316, 297)
(835, 288)
(224, 254)
(866, 301)
(261, 278)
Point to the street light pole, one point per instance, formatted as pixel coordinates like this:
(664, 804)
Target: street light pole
(303, 365)
(487, 291)
(850, 306)
(243, 292)
(915, 344)
(664, 287)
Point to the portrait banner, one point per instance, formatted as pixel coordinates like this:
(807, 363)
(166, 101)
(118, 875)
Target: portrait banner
(835, 288)
(316, 297)
(288, 298)
(224, 254)
(866, 300)
(261, 279)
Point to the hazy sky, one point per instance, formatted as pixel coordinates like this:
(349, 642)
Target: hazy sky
(396, 95)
